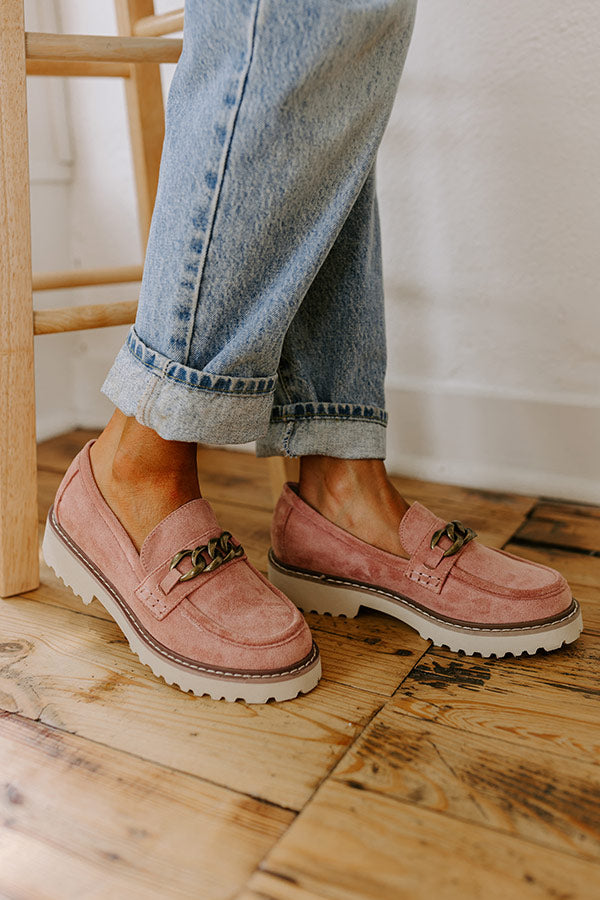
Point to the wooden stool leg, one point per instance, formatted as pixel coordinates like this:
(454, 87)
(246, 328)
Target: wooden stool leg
(19, 569)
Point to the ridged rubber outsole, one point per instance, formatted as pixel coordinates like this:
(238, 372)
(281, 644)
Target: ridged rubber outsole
(328, 596)
(251, 689)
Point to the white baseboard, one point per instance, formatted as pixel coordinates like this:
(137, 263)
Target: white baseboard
(530, 444)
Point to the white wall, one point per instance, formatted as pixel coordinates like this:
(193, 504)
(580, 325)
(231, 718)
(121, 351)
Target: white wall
(491, 217)
(489, 196)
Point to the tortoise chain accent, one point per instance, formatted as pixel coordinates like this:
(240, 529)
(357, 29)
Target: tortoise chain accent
(457, 532)
(220, 550)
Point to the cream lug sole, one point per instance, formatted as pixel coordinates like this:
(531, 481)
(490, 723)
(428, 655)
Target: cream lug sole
(325, 595)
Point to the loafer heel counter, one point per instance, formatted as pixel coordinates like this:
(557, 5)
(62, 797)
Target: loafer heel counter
(279, 525)
(65, 489)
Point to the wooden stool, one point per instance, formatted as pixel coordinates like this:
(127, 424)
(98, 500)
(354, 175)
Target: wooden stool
(140, 40)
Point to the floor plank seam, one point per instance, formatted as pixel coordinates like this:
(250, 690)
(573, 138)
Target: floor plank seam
(546, 545)
(560, 501)
(412, 668)
(316, 789)
(55, 728)
(327, 777)
(527, 516)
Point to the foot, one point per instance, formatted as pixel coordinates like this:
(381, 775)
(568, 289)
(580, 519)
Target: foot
(356, 495)
(453, 590)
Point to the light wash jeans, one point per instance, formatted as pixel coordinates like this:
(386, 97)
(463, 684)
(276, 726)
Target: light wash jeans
(261, 305)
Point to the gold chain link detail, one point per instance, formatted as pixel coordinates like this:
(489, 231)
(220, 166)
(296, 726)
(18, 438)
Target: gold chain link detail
(220, 550)
(457, 532)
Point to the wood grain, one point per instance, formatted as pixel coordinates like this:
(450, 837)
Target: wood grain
(51, 281)
(98, 48)
(165, 23)
(76, 318)
(352, 661)
(78, 674)
(416, 772)
(353, 844)
(558, 525)
(61, 68)
(537, 796)
(78, 819)
(547, 702)
(18, 532)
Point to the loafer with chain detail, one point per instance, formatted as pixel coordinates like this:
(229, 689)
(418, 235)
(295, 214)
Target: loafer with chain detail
(453, 590)
(190, 604)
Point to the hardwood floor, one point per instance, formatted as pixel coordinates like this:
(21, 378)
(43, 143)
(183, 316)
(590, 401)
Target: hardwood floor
(409, 772)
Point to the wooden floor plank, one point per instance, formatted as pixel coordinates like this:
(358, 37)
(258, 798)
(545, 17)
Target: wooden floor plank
(539, 797)
(354, 844)
(556, 508)
(562, 525)
(82, 820)
(77, 673)
(546, 702)
(231, 475)
(351, 661)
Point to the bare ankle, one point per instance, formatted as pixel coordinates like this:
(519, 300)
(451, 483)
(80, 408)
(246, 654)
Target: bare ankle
(337, 481)
(357, 495)
(138, 455)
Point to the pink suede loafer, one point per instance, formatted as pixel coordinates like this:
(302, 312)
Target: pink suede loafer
(453, 590)
(190, 604)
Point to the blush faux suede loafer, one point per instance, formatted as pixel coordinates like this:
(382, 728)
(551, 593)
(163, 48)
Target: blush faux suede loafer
(453, 590)
(190, 604)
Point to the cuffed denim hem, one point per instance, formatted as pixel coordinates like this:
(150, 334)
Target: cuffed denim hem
(344, 430)
(184, 404)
